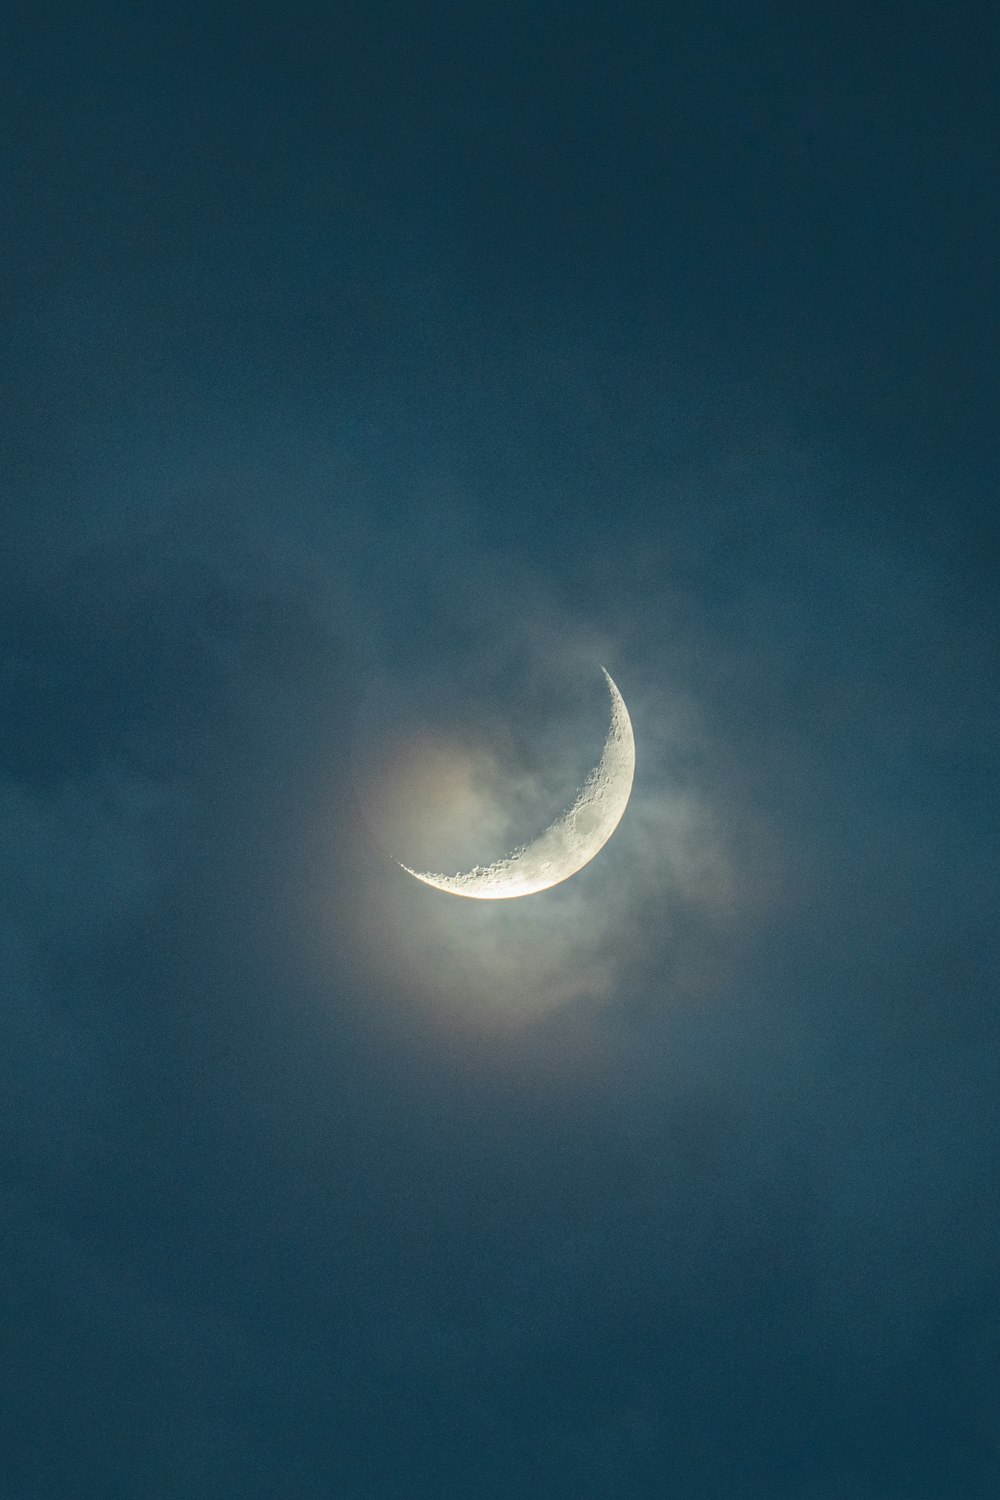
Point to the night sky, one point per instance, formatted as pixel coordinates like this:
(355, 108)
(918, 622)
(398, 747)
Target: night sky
(358, 353)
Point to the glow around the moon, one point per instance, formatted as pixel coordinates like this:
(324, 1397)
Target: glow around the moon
(572, 840)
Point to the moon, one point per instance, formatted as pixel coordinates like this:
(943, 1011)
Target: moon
(572, 840)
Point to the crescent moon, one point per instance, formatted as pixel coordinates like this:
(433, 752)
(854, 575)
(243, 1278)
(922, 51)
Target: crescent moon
(572, 840)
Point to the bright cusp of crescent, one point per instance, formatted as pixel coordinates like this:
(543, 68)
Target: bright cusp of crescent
(572, 840)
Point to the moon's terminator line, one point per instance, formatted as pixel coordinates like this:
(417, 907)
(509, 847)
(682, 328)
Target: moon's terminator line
(572, 840)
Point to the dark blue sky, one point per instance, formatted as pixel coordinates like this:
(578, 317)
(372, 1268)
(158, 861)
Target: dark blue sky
(351, 345)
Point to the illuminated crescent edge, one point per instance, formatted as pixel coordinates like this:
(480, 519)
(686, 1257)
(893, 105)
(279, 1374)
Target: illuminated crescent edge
(563, 848)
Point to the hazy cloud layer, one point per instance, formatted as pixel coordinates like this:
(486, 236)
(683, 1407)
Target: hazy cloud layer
(659, 344)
